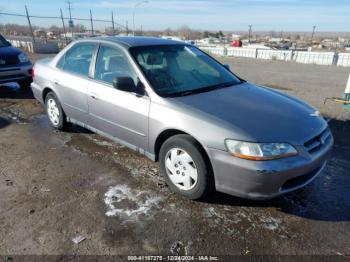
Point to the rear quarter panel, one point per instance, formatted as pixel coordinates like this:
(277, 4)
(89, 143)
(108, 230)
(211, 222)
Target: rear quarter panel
(43, 73)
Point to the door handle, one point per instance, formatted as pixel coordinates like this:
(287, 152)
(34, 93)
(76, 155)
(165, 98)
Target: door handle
(94, 96)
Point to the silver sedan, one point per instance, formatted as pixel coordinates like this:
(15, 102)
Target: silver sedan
(208, 128)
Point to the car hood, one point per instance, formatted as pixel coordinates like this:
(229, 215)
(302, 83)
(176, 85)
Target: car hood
(255, 113)
(9, 51)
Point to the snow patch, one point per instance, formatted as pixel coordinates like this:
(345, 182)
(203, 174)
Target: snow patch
(123, 202)
(271, 223)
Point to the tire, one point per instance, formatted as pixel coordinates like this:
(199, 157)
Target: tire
(177, 176)
(25, 84)
(55, 112)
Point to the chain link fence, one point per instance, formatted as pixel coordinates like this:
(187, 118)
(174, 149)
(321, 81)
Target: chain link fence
(58, 30)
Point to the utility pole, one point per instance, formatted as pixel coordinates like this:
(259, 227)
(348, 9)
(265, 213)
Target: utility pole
(127, 28)
(249, 33)
(70, 23)
(133, 14)
(112, 24)
(92, 24)
(30, 24)
(313, 33)
(64, 27)
(141, 30)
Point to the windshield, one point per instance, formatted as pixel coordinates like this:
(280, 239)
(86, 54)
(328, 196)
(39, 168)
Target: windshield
(3, 42)
(175, 70)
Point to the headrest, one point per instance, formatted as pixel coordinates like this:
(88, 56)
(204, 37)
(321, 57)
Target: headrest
(154, 59)
(115, 62)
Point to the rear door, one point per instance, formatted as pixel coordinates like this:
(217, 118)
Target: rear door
(123, 115)
(72, 79)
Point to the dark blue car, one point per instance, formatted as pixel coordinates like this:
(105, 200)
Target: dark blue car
(15, 65)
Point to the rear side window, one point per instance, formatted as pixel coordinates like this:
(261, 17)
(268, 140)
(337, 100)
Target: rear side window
(112, 62)
(77, 59)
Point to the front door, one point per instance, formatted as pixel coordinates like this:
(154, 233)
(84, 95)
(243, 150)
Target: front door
(120, 114)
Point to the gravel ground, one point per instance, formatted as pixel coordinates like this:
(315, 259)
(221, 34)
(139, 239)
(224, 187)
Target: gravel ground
(55, 186)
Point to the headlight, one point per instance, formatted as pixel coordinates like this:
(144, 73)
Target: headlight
(23, 58)
(260, 151)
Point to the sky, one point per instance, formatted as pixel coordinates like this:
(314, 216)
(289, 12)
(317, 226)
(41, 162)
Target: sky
(226, 15)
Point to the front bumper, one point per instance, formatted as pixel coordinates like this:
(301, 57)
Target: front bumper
(266, 179)
(15, 73)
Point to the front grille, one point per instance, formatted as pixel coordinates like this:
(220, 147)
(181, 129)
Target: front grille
(9, 61)
(9, 70)
(316, 143)
(2, 78)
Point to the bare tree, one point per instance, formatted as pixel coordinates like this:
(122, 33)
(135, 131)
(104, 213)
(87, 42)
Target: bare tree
(184, 32)
(79, 28)
(168, 31)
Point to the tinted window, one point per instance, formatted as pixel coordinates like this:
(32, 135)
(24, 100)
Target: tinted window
(77, 59)
(111, 63)
(179, 69)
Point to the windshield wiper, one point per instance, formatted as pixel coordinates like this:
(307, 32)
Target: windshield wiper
(221, 85)
(205, 89)
(186, 93)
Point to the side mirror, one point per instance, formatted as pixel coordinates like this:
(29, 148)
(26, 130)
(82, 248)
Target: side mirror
(227, 67)
(126, 83)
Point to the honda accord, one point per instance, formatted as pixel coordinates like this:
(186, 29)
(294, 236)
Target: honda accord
(208, 128)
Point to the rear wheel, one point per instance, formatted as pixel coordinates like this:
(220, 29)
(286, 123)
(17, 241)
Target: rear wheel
(55, 112)
(185, 168)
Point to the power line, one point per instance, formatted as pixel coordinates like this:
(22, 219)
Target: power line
(65, 18)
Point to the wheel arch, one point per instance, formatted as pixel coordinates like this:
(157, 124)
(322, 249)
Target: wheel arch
(46, 90)
(166, 134)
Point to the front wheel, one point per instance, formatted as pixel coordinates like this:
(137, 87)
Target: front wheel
(185, 167)
(55, 112)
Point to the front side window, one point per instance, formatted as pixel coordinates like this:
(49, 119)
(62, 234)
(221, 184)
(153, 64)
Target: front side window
(77, 59)
(111, 63)
(175, 70)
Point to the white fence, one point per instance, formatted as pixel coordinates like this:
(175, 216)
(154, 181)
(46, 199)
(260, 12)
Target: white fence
(214, 50)
(37, 47)
(317, 58)
(274, 55)
(26, 45)
(241, 52)
(343, 59)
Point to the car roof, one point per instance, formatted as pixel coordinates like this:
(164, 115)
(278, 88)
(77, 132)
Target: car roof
(133, 41)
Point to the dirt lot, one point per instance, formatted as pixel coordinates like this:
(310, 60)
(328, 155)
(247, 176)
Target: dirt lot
(55, 186)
